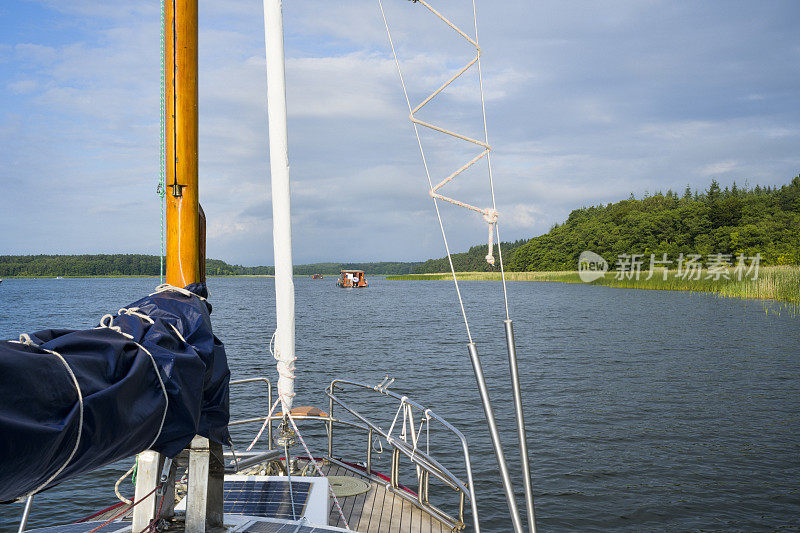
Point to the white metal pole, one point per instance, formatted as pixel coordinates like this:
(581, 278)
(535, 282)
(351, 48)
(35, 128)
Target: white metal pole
(281, 210)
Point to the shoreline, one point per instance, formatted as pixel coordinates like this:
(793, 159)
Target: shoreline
(776, 283)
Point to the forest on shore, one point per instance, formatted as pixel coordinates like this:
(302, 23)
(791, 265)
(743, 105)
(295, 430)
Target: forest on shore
(43, 266)
(730, 221)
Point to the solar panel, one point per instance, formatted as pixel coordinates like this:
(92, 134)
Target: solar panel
(266, 498)
(274, 527)
(271, 527)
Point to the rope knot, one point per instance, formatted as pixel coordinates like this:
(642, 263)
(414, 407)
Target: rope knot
(107, 322)
(166, 287)
(25, 339)
(490, 216)
(285, 373)
(135, 311)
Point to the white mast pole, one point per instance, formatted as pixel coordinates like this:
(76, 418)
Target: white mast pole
(281, 209)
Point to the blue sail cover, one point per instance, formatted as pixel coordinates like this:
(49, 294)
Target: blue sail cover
(125, 409)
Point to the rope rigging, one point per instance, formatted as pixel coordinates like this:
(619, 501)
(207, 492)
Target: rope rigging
(489, 214)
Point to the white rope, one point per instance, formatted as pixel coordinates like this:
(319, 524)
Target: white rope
(163, 389)
(408, 413)
(272, 343)
(178, 333)
(318, 469)
(416, 440)
(25, 339)
(408, 422)
(491, 219)
(427, 173)
(404, 434)
(285, 368)
(166, 287)
(491, 174)
(264, 425)
(135, 311)
(489, 214)
(122, 498)
(399, 409)
(107, 322)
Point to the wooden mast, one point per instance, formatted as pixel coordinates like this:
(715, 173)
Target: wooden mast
(186, 232)
(183, 216)
(185, 251)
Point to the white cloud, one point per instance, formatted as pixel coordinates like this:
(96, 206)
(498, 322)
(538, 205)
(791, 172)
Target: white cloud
(520, 216)
(719, 168)
(23, 86)
(354, 85)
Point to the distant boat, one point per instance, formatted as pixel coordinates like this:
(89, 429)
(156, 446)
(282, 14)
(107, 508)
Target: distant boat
(59, 277)
(316, 276)
(352, 278)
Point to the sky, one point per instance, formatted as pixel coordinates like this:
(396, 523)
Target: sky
(586, 103)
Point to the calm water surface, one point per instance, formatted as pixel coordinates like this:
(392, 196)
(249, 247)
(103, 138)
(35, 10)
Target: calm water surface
(646, 410)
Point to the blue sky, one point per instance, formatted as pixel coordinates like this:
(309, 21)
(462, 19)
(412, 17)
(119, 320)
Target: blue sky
(586, 102)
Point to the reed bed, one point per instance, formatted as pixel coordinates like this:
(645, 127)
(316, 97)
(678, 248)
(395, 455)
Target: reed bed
(779, 283)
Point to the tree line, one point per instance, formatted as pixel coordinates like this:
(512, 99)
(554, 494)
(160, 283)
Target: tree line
(79, 265)
(150, 265)
(731, 221)
(734, 220)
(473, 260)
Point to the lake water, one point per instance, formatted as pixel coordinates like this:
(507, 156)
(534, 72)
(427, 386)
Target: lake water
(646, 410)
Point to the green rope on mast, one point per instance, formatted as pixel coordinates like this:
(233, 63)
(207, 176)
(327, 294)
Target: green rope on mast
(161, 190)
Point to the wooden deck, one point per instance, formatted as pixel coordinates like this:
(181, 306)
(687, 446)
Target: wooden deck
(379, 510)
(376, 511)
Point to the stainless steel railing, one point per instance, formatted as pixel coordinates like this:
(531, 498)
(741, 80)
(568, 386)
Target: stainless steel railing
(422, 460)
(425, 464)
(259, 379)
